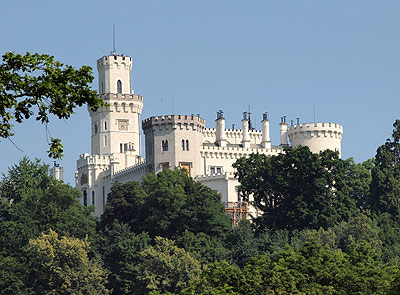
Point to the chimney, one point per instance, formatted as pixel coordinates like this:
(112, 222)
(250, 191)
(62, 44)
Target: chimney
(220, 129)
(283, 127)
(266, 140)
(245, 131)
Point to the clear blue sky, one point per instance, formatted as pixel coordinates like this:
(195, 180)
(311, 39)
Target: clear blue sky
(282, 57)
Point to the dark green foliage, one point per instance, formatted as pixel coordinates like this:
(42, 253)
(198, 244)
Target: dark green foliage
(385, 186)
(38, 81)
(32, 202)
(243, 243)
(311, 269)
(204, 248)
(167, 205)
(297, 189)
(120, 250)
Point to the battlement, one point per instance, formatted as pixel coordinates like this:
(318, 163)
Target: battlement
(114, 59)
(138, 169)
(175, 120)
(87, 159)
(215, 176)
(235, 152)
(316, 127)
(124, 103)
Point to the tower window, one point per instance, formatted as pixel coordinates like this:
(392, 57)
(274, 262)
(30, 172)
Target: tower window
(164, 145)
(105, 140)
(120, 148)
(105, 125)
(185, 147)
(119, 86)
(102, 87)
(104, 197)
(93, 203)
(85, 198)
(95, 128)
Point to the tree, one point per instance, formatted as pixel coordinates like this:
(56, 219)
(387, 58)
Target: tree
(37, 82)
(167, 204)
(166, 268)
(33, 202)
(60, 265)
(385, 186)
(297, 189)
(120, 250)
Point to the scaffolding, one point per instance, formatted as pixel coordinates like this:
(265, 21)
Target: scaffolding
(236, 211)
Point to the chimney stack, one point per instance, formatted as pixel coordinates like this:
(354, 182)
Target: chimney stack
(266, 140)
(284, 128)
(220, 129)
(245, 131)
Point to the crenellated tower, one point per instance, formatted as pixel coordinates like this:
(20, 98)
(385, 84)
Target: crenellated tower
(317, 136)
(116, 128)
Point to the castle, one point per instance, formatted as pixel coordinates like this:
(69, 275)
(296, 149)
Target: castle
(173, 141)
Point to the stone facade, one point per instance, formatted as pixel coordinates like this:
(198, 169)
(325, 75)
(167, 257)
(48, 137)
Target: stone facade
(173, 141)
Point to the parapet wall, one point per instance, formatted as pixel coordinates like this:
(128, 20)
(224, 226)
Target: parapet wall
(87, 159)
(114, 59)
(175, 121)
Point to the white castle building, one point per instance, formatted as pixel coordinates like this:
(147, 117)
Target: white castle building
(173, 141)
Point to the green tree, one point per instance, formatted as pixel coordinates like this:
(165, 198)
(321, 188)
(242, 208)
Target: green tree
(167, 204)
(61, 265)
(385, 186)
(32, 202)
(121, 252)
(166, 268)
(297, 189)
(243, 243)
(358, 181)
(37, 82)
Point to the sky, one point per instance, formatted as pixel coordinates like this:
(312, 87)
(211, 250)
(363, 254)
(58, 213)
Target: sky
(339, 60)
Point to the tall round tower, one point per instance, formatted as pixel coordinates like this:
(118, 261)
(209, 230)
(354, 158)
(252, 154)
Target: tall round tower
(116, 128)
(317, 136)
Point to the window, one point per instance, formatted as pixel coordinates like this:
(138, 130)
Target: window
(95, 128)
(164, 145)
(120, 148)
(119, 86)
(186, 167)
(105, 140)
(239, 196)
(216, 170)
(104, 198)
(85, 198)
(105, 125)
(165, 166)
(102, 87)
(93, 199)
(185, 147)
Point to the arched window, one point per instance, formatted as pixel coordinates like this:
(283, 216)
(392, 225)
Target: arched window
(85, 201)
(93, 203)
(119, 86)
(187, 144)
(105, 125)
(105, 140)
(183, 144)
(164, 145)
